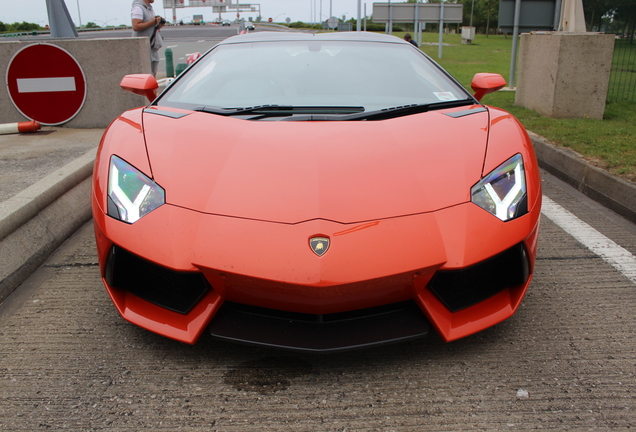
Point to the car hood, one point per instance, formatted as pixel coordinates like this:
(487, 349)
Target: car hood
(289, 172)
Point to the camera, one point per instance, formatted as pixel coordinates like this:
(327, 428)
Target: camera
(162, 20)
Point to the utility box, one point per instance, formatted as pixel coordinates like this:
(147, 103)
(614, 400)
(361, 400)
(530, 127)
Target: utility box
(563, 74)
(468, 35)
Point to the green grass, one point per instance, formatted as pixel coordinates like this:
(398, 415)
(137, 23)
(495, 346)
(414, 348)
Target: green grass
(609, 143)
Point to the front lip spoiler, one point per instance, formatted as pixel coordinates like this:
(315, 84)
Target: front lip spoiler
(403, 322)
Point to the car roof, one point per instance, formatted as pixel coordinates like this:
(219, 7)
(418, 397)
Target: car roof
(272, 36)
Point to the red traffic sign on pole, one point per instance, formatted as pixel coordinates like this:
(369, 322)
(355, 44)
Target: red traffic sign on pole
(46, 84)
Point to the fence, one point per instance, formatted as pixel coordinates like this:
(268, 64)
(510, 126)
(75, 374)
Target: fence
(622, 85)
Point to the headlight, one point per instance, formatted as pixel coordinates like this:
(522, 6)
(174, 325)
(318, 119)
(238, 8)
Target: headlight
(131, 195)
(503, 191)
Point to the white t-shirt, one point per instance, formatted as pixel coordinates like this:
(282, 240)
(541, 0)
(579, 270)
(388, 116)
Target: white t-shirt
(137, 13)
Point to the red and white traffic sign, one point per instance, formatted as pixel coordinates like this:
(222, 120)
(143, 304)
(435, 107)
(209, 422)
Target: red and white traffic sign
(46, 84)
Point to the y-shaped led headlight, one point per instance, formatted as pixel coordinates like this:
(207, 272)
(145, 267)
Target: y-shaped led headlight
(503, 191)
(131, 195)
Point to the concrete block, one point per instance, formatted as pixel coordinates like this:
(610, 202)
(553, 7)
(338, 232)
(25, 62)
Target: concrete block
(104, 62)
(564, 75)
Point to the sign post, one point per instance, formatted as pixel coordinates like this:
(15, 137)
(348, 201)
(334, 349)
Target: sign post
(46, 84)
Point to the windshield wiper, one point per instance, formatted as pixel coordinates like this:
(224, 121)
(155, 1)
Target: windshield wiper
(281, 110)
(399, 111)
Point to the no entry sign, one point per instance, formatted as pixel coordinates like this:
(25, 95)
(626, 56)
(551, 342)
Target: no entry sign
(46, 84)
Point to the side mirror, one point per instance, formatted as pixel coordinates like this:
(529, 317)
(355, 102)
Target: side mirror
(141, 84)
(485, 83)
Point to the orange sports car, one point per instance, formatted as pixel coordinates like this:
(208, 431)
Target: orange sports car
(316, 192)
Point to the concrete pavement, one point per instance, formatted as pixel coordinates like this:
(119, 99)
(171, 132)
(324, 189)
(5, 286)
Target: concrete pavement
(45, 192)
(44, 196)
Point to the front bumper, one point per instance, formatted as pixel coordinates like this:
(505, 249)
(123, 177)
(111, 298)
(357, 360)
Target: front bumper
(269, 277)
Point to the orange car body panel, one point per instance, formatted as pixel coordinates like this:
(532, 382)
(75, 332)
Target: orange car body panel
(241, 204)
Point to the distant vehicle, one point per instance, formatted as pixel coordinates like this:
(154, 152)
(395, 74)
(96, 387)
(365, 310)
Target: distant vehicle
(226, 23)
(217, 20)
(249, 25)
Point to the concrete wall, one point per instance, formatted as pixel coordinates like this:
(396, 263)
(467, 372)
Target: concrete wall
(564, 75)
(104, 62)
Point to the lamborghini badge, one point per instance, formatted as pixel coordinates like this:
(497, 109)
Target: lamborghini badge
(319, 245)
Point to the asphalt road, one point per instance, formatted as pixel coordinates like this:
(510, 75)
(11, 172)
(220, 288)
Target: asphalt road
(182, 40)
(188, 40)
(565, 361)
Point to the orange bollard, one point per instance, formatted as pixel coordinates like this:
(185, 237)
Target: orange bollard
(22, 127)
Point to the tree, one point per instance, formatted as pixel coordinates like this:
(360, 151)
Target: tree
(484, 14)
(594, 11)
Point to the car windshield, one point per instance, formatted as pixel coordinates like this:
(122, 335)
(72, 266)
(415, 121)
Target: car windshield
(366, 76)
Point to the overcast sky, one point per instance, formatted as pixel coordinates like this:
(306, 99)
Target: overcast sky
(115, 12)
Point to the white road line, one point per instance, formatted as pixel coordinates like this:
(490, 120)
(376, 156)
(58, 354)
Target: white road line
(620, 258)
(40, 85)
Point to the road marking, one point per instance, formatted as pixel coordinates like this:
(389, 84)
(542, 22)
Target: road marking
(38, 85)
(621, 259)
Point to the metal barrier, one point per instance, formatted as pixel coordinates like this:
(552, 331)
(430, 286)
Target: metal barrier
(622, 85)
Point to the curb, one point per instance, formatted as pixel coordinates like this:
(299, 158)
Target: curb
(39, 219)
(613, 192)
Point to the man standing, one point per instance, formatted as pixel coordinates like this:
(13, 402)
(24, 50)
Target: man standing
(146, 23)
(408, 38)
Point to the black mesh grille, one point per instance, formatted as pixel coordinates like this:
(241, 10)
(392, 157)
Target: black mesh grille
(177, 291)
(319, 333)
(325, 318)
(459, 289)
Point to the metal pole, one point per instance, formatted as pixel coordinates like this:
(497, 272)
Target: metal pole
(557, 16)
(79, 14)
(365, 17)
(515, 41)
(359, 23)
(417, 18)
(441, 29)
(418, 28)
(330, 8)
(390, 18)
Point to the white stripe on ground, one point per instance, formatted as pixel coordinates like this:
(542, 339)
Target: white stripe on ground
(620, 258)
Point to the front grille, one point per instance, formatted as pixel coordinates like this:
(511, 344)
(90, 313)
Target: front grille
(459, 289)
(322, 318)
(319, 333)
(177, 291)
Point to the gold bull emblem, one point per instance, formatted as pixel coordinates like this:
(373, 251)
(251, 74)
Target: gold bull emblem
(319, 245)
